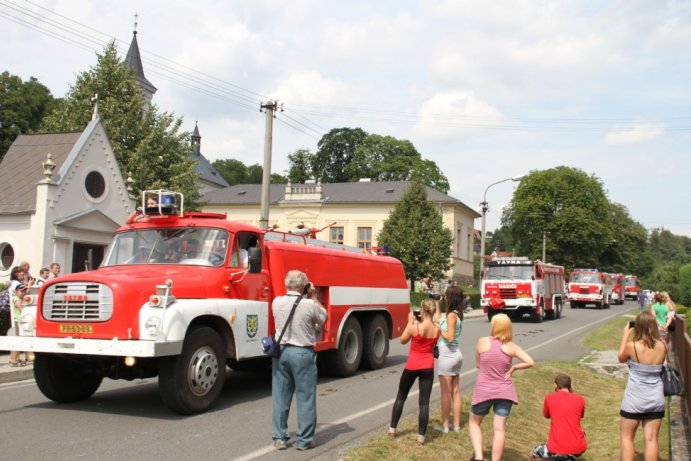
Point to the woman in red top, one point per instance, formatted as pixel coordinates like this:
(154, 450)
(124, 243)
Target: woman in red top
(424, 334)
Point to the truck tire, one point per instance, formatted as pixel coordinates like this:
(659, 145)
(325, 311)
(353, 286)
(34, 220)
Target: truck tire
(376, 338)
(345, 360)
(539, 314)
(558, 308)
(191, 382)
(64, 379)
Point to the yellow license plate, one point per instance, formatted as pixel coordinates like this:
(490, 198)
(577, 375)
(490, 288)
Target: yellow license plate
(76, 329)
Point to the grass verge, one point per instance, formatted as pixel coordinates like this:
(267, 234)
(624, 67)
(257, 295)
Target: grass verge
(526, 425)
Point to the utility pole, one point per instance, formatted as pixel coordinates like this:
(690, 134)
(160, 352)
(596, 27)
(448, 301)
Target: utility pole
(544, 246)
(269, 108)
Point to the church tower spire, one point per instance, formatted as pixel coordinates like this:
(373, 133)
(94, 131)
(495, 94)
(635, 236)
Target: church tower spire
(134, 59)
(196, 140)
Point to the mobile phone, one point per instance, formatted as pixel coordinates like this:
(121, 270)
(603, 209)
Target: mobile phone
(632, 323)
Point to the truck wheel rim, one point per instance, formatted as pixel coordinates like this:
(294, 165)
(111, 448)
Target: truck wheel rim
(351, 347)
(203, 371)
(379, 343)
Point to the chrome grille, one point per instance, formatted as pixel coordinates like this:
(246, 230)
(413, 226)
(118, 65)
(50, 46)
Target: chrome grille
(78, 302)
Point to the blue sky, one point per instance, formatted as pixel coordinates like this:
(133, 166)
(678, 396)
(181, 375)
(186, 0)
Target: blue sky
(488, 90)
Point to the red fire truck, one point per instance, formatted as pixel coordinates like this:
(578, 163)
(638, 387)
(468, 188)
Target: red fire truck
(632, 286)
(590, 286)
(174, 299)
(617, 288)
(519, 285)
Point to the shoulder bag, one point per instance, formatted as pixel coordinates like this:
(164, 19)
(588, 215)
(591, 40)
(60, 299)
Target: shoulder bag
(270, 346)
(671, 379)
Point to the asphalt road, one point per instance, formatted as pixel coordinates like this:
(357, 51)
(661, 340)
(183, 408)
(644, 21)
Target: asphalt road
(127, 420)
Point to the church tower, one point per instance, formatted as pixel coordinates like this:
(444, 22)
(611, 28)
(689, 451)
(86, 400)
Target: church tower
(134, 59)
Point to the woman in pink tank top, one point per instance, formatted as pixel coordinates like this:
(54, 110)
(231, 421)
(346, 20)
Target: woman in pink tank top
(494, 387)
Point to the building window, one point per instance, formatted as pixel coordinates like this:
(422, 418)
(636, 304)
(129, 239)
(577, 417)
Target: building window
(364, 238)
(336, 235)
(95, 184)
(6, 256)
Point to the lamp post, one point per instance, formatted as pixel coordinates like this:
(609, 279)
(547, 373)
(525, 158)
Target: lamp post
(484, 208)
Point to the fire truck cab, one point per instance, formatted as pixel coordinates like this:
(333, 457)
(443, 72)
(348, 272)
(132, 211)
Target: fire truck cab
(632, 286)
(180, 295)
(519, 285)
(590, 286)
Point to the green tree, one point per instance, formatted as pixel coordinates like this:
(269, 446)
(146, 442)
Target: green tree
(385, 158)
(414, 233)
(685, 285)
(146, 143)
(568, 204)
(665, 278)
(300, 169)
(22, 107)
(627, 251)
(236, 172)
(335, 151)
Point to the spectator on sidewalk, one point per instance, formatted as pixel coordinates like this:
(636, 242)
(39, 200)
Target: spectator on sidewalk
(565, 409)
(641, 300)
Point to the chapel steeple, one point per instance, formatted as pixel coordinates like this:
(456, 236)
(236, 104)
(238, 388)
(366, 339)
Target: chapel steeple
(134, 59)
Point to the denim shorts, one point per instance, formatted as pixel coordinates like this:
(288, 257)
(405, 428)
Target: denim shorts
(502, 407)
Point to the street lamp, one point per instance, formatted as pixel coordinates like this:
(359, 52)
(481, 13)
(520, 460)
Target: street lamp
(484, 208)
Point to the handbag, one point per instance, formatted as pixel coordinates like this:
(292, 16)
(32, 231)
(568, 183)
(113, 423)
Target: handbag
(270, 346)
(671, 379)
(435, 351)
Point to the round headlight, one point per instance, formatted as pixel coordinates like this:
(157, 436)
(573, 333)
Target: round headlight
(153, 325)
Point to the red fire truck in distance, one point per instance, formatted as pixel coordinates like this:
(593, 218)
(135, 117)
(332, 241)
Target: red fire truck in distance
(590, 286)
(617, 288)
(632, 286)
(175, 298)
(519, 285)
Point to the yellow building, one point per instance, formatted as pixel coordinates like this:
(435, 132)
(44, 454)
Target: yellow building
(349, 213)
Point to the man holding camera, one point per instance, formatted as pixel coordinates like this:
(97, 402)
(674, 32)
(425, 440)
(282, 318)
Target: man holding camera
(295, 370)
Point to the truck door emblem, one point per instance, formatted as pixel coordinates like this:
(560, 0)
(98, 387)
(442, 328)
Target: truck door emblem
(252, 324)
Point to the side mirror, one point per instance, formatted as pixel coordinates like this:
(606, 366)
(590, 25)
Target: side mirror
(254, 260)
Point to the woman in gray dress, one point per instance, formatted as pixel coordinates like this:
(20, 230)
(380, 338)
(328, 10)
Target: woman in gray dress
(644, 401)
(450, 360)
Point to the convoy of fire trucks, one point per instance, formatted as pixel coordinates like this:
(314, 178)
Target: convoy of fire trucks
(174, 298)
(590, 286)
(519, 285)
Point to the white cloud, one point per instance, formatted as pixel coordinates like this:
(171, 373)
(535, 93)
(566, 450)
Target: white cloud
(643, 131)
(454, 114)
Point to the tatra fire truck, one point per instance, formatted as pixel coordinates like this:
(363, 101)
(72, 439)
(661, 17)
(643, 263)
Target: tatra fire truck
(590, 286)
(632, 287)
(174, 299)
(517, 286)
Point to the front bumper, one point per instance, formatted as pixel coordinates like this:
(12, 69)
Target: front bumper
(104, 347)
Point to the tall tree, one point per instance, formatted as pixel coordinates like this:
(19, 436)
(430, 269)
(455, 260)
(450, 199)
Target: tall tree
(300, 169)
(414, 233)
(335, 151)
(236, 172)
(146, 143)
(627, 251)
(568, 204)
(22, 107)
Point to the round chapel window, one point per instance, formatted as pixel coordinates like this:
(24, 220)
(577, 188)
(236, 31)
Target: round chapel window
(95, 184)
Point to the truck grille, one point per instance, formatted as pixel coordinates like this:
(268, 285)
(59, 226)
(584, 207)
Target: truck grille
(507, 293)
(78, 302)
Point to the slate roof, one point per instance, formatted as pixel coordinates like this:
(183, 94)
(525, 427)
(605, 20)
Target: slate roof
(21, 168)
(134, 59)
(332, 193)
(207, 172)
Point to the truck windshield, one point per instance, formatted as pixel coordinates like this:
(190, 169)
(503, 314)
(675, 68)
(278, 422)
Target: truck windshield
(509, 272)
(585, 278)
(185, 246)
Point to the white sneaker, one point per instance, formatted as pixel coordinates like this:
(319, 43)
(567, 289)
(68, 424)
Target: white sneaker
(443, 430)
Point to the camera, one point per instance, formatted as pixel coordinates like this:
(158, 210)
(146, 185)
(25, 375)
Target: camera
(418, 315)
(632, 323)
(434, 295)
(306, 290)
